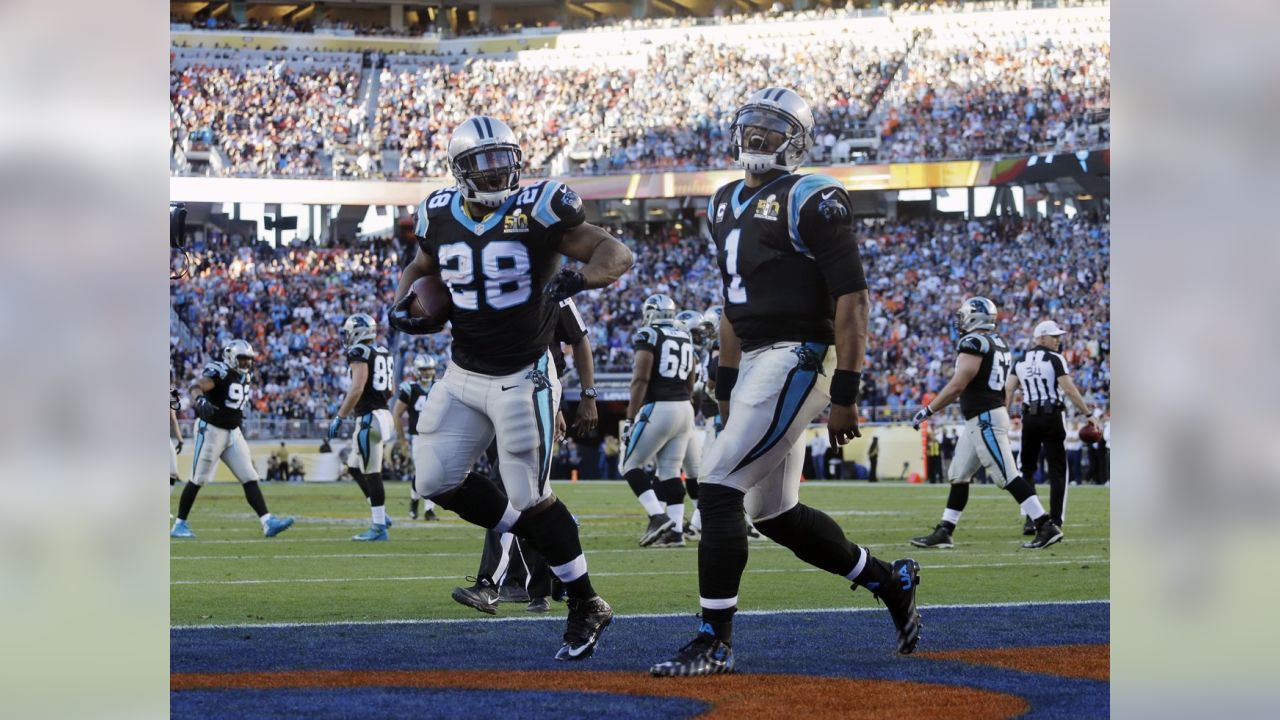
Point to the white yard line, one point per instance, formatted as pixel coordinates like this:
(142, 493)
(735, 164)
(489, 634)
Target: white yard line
(1098, 560)
(546, 618)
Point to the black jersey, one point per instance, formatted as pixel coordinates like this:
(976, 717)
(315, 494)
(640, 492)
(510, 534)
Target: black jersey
(496, 268)
(414, 395)
(786, 251)
(672, 350)
(379, 381)
(230, 393)
(570, 329)
(704, 400)
(986, 390)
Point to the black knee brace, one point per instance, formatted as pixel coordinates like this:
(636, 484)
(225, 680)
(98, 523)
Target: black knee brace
(691, 485)
(479, 503)
(671, 491)
(553, 532)
(813, 536)
(639, 481)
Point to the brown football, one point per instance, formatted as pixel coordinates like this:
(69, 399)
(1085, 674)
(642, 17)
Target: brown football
(432, 300)
(1090, 434)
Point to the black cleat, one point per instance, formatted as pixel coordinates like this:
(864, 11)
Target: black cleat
(1028, 526)
(899, 596)
(939, 538)
(1046, 534)
(658, 524)
(482, 596)
(538, 605)
(558, 591)
(587, 620)
(512, 593)
(704, 655)
(670, 538)
(430, 515)
(690, 531)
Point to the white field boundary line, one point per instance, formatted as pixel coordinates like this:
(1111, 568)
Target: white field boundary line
(950, 552)
(635, 616)
(1097, 560)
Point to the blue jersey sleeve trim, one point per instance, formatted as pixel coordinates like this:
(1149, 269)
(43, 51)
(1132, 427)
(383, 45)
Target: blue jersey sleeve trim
(801, 192)
(542, 211)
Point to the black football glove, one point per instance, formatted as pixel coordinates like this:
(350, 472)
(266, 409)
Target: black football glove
(401, 320)
(177, 446)
(204, 408)
(565, 284)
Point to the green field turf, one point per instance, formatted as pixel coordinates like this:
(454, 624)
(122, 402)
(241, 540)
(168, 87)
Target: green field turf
(230, 574)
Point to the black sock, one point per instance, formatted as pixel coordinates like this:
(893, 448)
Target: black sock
(413, 505)
(639, 481)
(722, 553)
(1020, 489)
(814, 538)
(691, 487)
(875, 573)
(188, 498)
(173, 480)
(359, 478)
(253, 494)
(376, 493)
(958, 498)
(555, 535)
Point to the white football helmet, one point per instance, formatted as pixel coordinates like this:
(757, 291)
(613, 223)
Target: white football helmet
(712, 316)
(358, 328)
(238, 354)
(975, 313)
(657, 308)
(424, 367)
(691, 321)
(486, 160)
(773, 130)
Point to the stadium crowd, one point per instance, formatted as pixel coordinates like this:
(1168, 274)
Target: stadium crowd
(957, 90)
(290, 303)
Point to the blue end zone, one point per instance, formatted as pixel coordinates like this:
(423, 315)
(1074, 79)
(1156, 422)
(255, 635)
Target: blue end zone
(832, 643)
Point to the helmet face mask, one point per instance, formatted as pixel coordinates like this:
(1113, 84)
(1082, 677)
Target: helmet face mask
(486, 160)
(424, 368)
(773, 130)
(239, 354)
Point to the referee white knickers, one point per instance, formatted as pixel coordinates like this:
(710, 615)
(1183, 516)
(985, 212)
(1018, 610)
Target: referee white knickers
(213, 444)
(464, 411)
(661, 433)
(985, 443)
(366, 441)
(759, 451)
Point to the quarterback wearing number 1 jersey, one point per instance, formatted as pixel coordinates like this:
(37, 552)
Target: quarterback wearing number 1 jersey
(498, 247)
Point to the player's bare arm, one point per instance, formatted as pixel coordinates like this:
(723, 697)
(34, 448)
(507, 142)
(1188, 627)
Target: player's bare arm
(421, 266)
(397, 413)
(853, 317)
(588, 415)
(359, 376)
(1072, 392)
(604, 257)
(639, 382)
(727, 374)
(967, 367)
(1011, 389)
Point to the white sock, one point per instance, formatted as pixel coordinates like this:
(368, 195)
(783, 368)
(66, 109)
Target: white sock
(951, 516)
(413, 493)
(695, 522)
(860, 565)
(1032, 508)
(649, 500)
(264, 520)
(380, 515)
(676, 513)
(427, 505)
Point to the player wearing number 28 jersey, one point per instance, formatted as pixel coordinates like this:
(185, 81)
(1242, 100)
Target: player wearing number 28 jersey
(659, 417)
(219, 398)
(366, 400)
(982, 367)
(498, 246)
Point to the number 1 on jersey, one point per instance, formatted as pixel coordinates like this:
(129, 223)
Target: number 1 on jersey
(736, 293)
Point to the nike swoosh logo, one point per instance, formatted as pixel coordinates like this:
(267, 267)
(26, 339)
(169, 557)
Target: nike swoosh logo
(508, 387)
(576, 652)
(829, 194)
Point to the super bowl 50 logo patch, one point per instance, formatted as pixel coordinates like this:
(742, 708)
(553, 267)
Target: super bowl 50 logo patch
(516, 222)
(767, 209)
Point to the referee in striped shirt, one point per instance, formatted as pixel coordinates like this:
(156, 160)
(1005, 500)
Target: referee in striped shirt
(1042, 375)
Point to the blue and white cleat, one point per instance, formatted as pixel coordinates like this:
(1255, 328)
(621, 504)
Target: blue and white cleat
(375, 533)
(180, 530)
(275, 526)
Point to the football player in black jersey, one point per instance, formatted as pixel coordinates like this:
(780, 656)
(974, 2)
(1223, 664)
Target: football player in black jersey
(411, 398)
(659, 418)
(983, 361)
(372, 377)
(219, 397)
(792, 339)
(498, 247)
